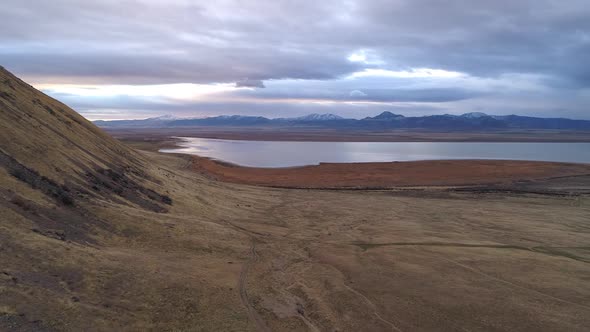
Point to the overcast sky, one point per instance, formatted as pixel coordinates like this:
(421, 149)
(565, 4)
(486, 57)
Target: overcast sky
(143, 58)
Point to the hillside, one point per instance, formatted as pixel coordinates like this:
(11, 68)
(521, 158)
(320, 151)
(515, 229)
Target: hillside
(50, 147)
(85, 220)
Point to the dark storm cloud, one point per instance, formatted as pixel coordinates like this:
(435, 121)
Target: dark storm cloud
(485, 37)
(145, 42)
(105, 67)
(248, 83)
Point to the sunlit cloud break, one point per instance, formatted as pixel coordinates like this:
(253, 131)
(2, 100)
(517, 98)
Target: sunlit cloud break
(412, 73)
(180, 91)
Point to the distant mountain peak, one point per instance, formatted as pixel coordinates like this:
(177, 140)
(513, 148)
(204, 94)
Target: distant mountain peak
(320, 117)
(473, 115)
(236, 117)
(165, 117)
(387, 115)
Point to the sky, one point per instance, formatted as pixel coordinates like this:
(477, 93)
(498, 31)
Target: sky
(279, 58)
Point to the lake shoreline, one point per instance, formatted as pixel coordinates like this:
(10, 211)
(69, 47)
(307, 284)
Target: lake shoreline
(281, 154)
(374, 175)
(386, 175)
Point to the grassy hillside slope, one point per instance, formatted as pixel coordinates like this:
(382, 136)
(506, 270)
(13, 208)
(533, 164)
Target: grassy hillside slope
(87, 240)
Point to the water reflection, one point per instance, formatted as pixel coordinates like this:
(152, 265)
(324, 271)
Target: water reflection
(286, 154)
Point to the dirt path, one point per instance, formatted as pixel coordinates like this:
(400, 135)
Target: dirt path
(374, 307)
(252, 313)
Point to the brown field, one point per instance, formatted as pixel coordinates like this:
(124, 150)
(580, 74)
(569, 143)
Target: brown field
(424, 259)
(235, 258)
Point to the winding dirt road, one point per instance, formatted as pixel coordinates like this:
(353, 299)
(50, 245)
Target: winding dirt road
(252, 313)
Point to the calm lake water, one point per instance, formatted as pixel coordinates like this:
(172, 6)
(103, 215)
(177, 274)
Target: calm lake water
(286, 154)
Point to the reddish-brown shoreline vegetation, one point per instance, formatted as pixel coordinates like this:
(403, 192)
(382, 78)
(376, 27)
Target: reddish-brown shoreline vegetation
(387, 175)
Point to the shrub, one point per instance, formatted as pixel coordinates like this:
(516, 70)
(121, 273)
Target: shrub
(166, 199)
(66, 199)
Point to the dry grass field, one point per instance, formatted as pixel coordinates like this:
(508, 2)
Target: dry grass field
(97, 236)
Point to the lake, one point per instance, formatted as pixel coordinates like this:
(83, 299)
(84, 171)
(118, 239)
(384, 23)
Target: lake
(287, 154)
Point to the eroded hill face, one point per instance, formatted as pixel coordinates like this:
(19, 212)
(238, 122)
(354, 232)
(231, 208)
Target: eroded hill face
(52, 138)
(69, 195)
(51, 149)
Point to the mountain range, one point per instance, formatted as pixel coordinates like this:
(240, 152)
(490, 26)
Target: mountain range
(383, 121)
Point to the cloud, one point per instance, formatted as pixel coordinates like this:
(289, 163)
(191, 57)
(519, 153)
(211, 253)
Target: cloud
(319, 40)
(411, 73)
(408, 50)
(247, 83)
(367, 57)
(357, 94)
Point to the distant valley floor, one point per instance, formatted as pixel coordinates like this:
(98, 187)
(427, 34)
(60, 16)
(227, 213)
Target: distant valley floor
(334, 135)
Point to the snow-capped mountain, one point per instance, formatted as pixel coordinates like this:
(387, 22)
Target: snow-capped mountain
(319, 117)
(474, 115)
